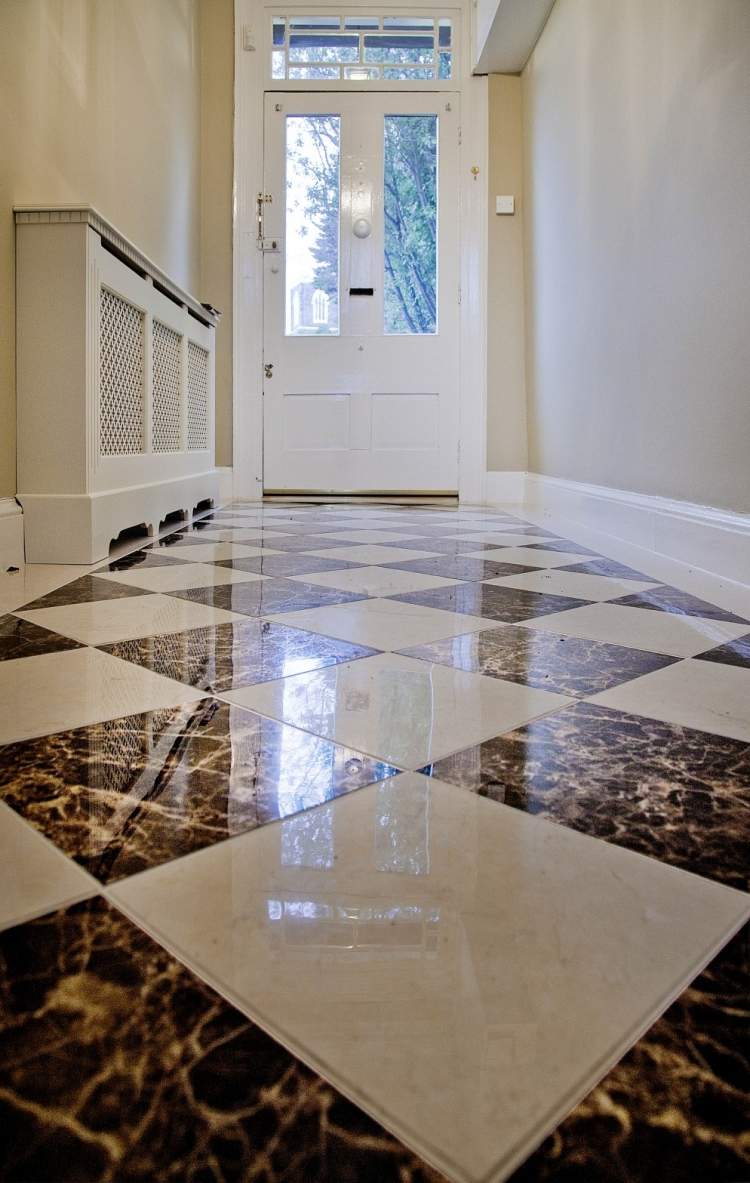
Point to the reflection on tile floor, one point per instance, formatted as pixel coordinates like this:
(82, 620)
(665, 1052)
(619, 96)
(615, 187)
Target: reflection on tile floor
(462, 945)
(134, 792)
(234, 655)
(671, 599)
(506, 604)
(135, 1069)
(21, 638)
(398, 709)
(268, 596)
(567, 665)
(577, 690)
(668, 791)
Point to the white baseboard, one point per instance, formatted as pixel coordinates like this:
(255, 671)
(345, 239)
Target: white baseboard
(11, 534)
(712, 540)
(226, 484)
(503, 487)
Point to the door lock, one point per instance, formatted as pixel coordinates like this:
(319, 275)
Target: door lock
(268, 367)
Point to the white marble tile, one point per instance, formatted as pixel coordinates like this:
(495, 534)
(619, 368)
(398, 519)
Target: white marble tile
(531, 558)
(401, 710)
(56, 691)
(464, 972)
(705, 695)
(104, 621)
(640, 628)
(375, 581)
(371, 554)
(176, 578)
(35, 877)
(34, 580)
(213, 552)
(384, 624)
(572, 583)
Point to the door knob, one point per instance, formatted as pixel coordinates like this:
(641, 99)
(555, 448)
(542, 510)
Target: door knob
(269, 369)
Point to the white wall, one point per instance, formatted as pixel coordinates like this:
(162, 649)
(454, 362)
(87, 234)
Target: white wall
(100, 102)
(637, 143)
(506, 383)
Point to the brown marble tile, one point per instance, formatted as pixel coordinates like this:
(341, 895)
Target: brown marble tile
(85, 590)
(118, 1065)
(676, 1109)
(287, 564)
(546, 661)
(20, 638)
(461, 567)
(141, 559)
(228, 656)
(608, 567)
(135, 792)
(678, 795)
(304, 541)
(448, 546)
(733, 653)
(564, 546)
(267, 596)
(671, 599)
(178, 538)
(507, 604)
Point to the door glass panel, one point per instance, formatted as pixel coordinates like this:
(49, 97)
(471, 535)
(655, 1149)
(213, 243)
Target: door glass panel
(414, 49)
(411, 230)
(313, 150)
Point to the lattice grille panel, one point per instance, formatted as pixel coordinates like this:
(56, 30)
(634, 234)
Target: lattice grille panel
(197, 409)
(165, 422)
(121, 334)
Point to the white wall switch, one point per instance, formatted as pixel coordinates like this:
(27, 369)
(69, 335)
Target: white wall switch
(505, 205)
(248, 39)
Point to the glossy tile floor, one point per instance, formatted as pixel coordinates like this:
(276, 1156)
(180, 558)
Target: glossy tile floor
(351, 843)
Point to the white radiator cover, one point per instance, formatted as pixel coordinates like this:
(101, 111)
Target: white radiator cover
(115, 384)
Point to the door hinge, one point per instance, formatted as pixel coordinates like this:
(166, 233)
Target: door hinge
(459, 293)
(460, 139)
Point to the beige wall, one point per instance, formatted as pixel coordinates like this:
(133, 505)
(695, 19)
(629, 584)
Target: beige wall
(637, 133)
(506, 385)
(100, 101)
(217, 171)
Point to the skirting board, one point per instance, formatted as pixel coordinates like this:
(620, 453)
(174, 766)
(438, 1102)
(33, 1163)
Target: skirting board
(79, 528)
(713, 540)
(500, 487)
(11, 534)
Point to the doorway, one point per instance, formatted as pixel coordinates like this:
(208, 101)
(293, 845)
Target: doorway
(359, 227)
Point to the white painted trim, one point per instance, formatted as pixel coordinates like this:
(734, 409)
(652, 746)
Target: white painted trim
(504, 487)
(249, 88)
(712, 540)
(472, 394)
(11, 534)
(226, 484)
(79, 527)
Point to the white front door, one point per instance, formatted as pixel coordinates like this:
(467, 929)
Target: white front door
(361, 292)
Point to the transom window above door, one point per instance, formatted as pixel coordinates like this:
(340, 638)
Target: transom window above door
(361, 49)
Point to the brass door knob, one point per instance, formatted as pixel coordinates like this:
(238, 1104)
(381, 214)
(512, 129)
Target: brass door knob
(269, 369)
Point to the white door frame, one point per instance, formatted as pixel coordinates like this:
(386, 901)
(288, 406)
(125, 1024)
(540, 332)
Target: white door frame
(249, 89)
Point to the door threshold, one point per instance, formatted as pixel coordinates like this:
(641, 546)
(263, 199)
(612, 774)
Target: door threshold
(438, 500)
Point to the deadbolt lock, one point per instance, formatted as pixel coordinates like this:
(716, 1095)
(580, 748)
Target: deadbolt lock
(268, 367)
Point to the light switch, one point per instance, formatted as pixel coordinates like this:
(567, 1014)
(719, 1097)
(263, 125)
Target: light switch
(505, 205)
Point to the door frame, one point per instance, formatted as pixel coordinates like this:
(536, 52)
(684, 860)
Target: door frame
(250, 87)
